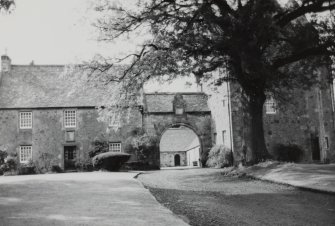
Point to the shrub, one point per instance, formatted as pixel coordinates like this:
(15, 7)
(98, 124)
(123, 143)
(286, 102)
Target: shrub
(45, 163)
(84, 164)
(144, 148)
(99, 147)
(10, 165)
(26, 170)
(111, 161)
(56, 169)
(219, 156)
(3, 155)
(287, 153)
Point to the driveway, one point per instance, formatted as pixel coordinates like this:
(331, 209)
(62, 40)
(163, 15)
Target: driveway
(97, 198)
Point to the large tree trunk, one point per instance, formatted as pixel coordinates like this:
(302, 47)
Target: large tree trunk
(258, 147)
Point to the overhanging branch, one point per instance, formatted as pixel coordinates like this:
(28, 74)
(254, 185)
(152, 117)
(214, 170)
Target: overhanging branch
(315, 51)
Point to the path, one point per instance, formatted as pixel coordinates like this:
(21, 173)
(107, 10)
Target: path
(97, 198)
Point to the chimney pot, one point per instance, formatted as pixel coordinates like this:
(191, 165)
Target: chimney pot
(5, 63)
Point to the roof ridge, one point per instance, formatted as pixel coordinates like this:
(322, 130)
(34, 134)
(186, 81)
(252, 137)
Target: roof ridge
(174, 93)
(39, 65)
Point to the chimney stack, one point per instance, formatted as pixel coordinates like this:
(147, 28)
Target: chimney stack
(5, 63)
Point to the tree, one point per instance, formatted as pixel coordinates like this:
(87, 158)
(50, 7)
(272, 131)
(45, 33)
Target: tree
(6, 4)
(259, 42)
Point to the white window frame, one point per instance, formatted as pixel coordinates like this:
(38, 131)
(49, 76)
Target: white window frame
(115, 147)
(26, 153)
(114, 120)
(70, 118)
(270, 106)
(26, 120)
(326, 142)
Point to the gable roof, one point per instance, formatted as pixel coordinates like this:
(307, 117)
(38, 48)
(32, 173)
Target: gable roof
(50, 86)
(36, 86)
(177, 139)
(162, 102)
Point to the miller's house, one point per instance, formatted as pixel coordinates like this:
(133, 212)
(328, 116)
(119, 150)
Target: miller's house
(44, 116)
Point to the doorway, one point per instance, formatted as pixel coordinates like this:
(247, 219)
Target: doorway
(70, 154)
(315, 148)
(177, 160)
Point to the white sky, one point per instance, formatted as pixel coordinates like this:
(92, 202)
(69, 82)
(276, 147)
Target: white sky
(53, 32)
(56, 32)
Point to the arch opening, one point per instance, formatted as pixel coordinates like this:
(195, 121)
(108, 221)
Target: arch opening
(179, 146)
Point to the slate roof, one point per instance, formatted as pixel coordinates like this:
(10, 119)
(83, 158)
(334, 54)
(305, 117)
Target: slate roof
(46, 86)
(162, 102)
(36, 86)
(177, 139)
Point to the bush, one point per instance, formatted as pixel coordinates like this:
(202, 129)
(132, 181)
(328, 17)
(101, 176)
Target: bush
(144, 147)
(111, 161)
(26, 170)
(288, 153)
(84, 165)
(56, 169)
(219, 156)
(99, 147)
(3, 155)
(10, 166)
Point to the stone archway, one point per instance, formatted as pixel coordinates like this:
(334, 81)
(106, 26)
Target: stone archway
(166, 110)
(179, 145)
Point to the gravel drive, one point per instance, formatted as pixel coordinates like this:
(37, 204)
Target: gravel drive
(206, 197)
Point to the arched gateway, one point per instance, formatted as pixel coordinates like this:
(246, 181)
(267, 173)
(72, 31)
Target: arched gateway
(168, 113)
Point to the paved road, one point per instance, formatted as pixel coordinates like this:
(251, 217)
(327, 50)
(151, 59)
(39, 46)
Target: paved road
(206, 197)
(96, 198)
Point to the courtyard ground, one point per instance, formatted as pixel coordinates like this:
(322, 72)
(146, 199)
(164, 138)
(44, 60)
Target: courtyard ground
(97, 198)
(207, 197)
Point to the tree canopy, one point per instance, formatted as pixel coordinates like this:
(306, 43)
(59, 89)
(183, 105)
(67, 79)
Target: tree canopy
(6, 4)
(262, 45)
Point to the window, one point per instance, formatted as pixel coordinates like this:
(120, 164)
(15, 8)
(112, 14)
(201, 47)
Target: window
(223, 103)
(69, 118)
(215, 136)
(114, 120)
(179, 111)
(115, 147)
(26, 120)
(270, 106)
(26, 154)
(223, 136)
(326, 143)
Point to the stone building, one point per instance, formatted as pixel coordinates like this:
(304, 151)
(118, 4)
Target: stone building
(305, 119)
(47, 117)
(188, 145)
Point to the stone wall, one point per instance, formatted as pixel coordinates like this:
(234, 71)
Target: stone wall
(167, 158)
(48, 134)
